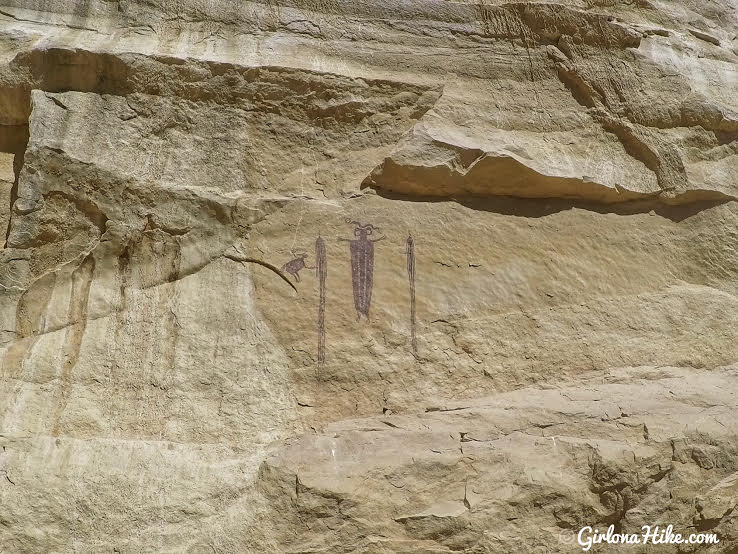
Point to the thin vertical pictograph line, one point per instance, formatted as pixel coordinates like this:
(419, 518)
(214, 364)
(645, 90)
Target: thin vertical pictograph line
(321, 271)
(410, 252)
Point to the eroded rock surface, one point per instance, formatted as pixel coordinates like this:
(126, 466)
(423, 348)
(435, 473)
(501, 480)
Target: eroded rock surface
(197, 358)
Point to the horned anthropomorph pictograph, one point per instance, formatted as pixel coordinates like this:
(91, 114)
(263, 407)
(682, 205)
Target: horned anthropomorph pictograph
(362, 265)
(410, 253)
(321, 271)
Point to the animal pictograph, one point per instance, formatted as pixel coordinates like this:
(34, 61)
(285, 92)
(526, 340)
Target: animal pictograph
(296, 264)
(362, 265)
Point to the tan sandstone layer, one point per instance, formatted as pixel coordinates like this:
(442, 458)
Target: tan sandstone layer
(567, 172)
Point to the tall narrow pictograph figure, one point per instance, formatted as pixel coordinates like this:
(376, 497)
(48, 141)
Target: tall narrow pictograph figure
(410, 253)
(321, 271)
(362, 266)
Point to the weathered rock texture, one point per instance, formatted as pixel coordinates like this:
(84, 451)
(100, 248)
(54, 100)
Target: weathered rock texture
(568, 172)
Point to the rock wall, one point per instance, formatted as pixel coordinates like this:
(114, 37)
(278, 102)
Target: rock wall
(338, 276)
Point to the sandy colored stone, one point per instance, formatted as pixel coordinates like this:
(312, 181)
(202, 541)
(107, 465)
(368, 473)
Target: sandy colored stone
(169, 173)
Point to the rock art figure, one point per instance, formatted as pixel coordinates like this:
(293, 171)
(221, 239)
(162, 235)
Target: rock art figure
(295, 265)
(362, 265)
(410, 253)
(321, 271)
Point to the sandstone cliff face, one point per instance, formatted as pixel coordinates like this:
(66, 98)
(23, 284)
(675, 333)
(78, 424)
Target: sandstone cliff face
(335, 276)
